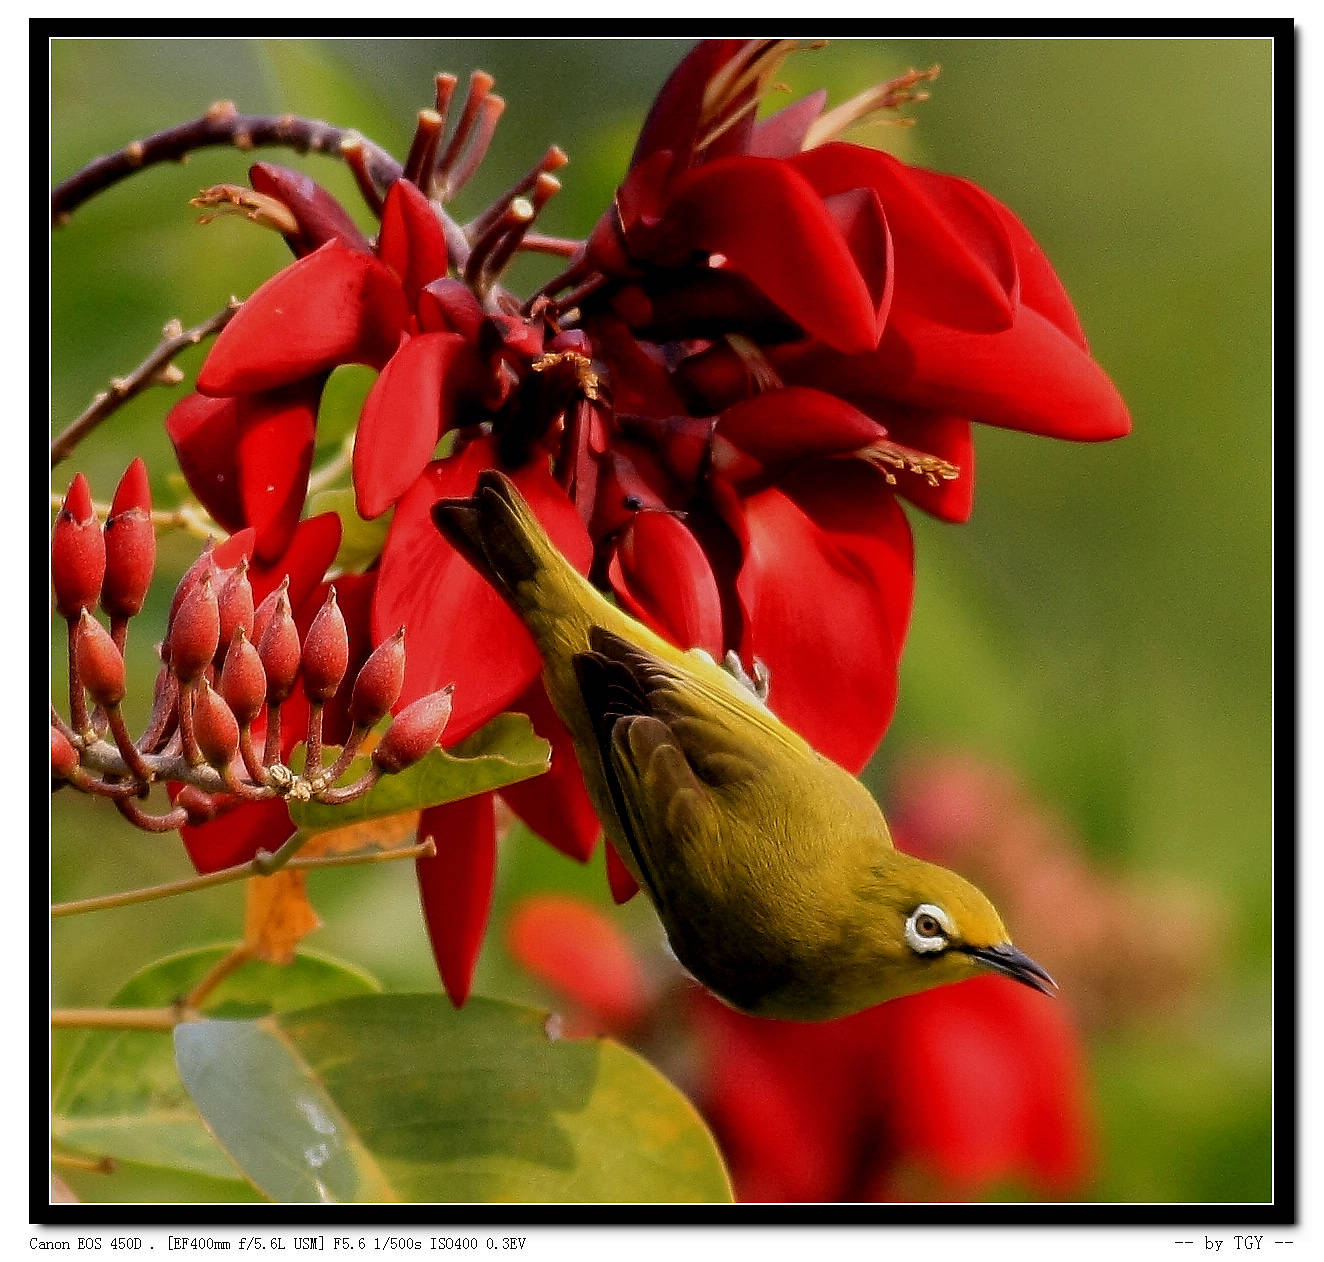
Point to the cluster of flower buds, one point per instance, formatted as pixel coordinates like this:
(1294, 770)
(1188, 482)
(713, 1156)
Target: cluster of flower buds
(228, 667)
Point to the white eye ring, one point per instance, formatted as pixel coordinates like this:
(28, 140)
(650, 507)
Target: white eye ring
(926, 944)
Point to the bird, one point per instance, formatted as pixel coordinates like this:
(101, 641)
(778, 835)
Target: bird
(771, 867)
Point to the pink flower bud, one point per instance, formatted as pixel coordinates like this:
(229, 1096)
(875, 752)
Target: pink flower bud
(78, 552)
(214, 726)
(234, 603)
(377, 687)
(100, 665)
(279, 650)
(195, 631)
(200, 806)
(262, 615)
(414, 731)
(130, 542)
(325, 651)
(64, 757)
(243, 681)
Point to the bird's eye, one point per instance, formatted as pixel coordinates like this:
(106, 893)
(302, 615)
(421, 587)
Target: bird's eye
(927, 929)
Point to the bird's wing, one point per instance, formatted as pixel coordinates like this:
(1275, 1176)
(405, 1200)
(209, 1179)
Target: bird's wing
(667, 761)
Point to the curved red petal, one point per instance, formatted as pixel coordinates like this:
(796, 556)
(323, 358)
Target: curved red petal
(795, 423)
(406, 410)
(412, 243)
(673, 120)
(954, 261)
(660, 573)
(457, 628)
(275, 454)
(774, 229)
(859, 215)
(205, 433)
(334, 306)
(826, 589)
(1031, 377)
(455, 886)
(620, 880)
(555, 805)
(320, 217)
(581, 953)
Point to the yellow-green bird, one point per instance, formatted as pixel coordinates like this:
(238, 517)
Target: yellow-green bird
(771, 867)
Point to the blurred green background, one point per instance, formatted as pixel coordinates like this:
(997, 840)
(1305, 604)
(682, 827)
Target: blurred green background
(1101, 625)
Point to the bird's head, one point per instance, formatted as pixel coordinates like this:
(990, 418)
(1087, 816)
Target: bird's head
(935, 927)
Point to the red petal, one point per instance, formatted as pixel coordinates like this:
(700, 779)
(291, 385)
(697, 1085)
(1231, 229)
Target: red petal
(237, 835)
(321, 218)
(458, 629)
(953, 258)
(773, 229)
(312, 549)
(582, 954)
(1032, 377)
(334, 306)
(275, 452)
(673, 120)
(406, 410)
(554, 805)
(1040, 287)
(455, 886)
(449, 306)
(826, 589)
(859, 215)
(411, 243)
(782, 134)
(660, 572)
(641, 384)
(784, 426)
(205, 434)
(620, 880)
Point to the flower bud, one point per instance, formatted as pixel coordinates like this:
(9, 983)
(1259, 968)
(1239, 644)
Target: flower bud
(100, 664)
(130, 542)
(201, 807)
(243, 681)
(214, 726)
(325, 651)
(377, 687)
(234, 604)
(279, 650)
(195, 631)
(78, 552)
(192, 576)
(64, 757)
(262, 614)
(414, 731)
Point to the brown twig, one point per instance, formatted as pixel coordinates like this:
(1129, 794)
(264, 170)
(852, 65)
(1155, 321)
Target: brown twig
(222, 124)
(240, 872)
(122, 389)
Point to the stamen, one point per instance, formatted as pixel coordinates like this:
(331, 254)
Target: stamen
(585, 378)
(885, 455)
(897, 92)
(270, 212)
(762, 374)
(751, 68)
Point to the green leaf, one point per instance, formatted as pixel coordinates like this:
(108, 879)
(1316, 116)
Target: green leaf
(361, 542)
(133, 1182)
(121, 1096)
(502, 752)
(403, 1098)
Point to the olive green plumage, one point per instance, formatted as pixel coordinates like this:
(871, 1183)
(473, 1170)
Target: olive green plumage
(771, 867)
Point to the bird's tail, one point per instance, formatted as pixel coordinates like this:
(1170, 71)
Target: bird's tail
(498, 533)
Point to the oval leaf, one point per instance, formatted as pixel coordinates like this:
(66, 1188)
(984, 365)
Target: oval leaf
(120, 1095)
(401, 1097)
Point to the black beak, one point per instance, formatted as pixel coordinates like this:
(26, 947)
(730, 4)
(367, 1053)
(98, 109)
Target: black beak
(1016, 964)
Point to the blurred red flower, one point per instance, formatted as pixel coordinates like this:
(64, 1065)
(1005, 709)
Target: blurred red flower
(942, 1095)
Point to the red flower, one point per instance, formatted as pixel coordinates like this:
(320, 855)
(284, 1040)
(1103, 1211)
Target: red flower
(940, 1095)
